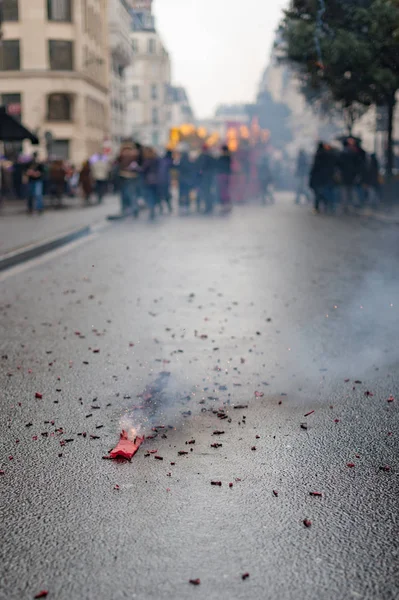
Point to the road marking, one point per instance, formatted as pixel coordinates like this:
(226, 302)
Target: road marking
(40, 260)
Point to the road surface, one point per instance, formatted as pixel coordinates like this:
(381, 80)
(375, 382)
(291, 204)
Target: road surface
(292, 316)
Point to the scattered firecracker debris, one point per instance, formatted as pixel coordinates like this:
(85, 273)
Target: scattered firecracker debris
(41, 594)
(259, 394)
(275, 493)
(195, 581)
(217, 432)
(237, 479)
(358, 381)
(391, 399)
(38, 395)
(319, 494)
(239, 406)
(336, 420)
(367, 393)
(96, 350)
(182, 452)
(231, 485)
(191, 442)
(10, 457)
(152, 451)
(346, 380)
(357, 455)
(125, 447)
(245, 576)
(92, 437)
(116, 487)
(2, 472)
(219, 483)
(173, 464)
(216, 445)
(385, 468)
(307, 523)
(304, 426)
(253, 448)
(350, 465)
(158, 457)
(257, 437)
(309, 413)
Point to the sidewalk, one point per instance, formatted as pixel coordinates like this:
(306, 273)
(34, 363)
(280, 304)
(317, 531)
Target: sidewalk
(18, 229)
(384, 214)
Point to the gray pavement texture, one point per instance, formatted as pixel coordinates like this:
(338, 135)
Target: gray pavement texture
(269, 308)
(19, 229)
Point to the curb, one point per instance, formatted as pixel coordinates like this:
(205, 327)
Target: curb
(16, 257)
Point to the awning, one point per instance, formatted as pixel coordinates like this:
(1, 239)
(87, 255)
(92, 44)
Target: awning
(12, 131)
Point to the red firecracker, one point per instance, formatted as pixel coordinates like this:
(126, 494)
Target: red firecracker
(125, 447)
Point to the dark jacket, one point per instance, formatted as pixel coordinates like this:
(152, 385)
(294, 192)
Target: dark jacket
(151, 171)
(224, 164)
(324, 168)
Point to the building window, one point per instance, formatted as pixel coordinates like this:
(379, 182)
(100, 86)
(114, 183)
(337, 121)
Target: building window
(135, 45)
(59, 10)
(154, 91)
(155, 116)
(155, 138)
(60, 149)
(59, 107)
(136, 92)
(9, 55)
(12, 102)
(9, 10)
(61, 55)
(151, 46)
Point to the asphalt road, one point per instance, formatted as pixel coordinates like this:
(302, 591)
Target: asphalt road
(270, 308)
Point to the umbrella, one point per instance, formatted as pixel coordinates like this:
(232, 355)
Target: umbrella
(12, 131)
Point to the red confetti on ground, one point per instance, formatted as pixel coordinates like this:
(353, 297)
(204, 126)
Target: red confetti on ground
(195, 581)
(309, 413)
(42, 594)
(2, 472)
(390, 399)
(219, 483)
(217, 432)
(253, 448)
(336, 420)
(152, 451)
(245, 576)
(275, 493)
(231, 485)
(182, 452)
(257, 437)
(350, 465)
(38, 395)
(307, 523)
(116, 487)
(367, 393)
(259, 394)
(96, 350)
(125, 447)
(319, 494)
(385, 468)
(159, 457)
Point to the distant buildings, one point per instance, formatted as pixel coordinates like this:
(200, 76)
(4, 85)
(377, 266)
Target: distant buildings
(54, 72)
(181, 111)
(148, 80)
(121, 56)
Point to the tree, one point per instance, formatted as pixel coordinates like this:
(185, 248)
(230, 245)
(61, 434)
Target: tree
(348, 49)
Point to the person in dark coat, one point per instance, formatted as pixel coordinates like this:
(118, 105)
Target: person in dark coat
(322, 177)
(224, 176)
(187, 169)
(353, 169)
(164, 194)
(206, 171)
(151, 179)
(302, 173)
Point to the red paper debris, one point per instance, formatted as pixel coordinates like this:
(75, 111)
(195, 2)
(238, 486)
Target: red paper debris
(125, 447)
(350, 465)
(42, 594)
(309, 413)
(319, 494)
(231, 485)
(159, 457)
(182, 452)
(385, 468)
(217, 432)
(391, 399)
(245, 576)
(275, 493)
(219, 483)
(195, 581)
(307, 523)
(38, 395)
(259, 394)
(116, 487)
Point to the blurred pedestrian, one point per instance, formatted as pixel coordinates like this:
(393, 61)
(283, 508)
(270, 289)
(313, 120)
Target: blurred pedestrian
(265, 179)
(34, 174)
(56, 174)
(129, 170)
(223, 177)
(187, 170)
(86, 181)
(323, 178)
(302, 174)
(352, 164)
(151, 179)
(164, 193)
(100, 170)
(373, 180)
(206, 171)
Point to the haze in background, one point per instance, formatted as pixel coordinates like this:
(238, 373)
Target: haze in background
(219, 48)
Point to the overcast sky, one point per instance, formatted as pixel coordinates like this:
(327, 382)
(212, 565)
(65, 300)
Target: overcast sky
(218, 48)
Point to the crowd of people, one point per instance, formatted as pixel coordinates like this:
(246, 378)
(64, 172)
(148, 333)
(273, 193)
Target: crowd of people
(200, 179)
(339, 178)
